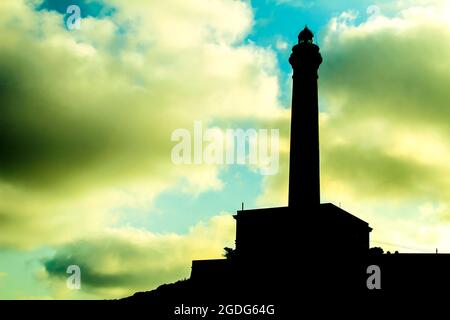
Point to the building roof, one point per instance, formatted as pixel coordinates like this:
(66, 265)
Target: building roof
(326, 210)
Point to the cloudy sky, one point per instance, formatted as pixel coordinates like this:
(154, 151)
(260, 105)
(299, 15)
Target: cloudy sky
(86, 116)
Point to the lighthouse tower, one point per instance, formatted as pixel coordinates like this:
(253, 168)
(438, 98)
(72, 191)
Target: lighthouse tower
(304, 170)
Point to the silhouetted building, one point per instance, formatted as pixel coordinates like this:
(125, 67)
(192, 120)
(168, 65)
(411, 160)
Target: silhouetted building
(318, 247)
(265, 237)
(322, 227)
(273, 232)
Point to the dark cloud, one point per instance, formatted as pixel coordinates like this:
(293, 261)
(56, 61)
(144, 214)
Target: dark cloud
(400, 74)
(376, 174)
(123, 261)
(87, 116)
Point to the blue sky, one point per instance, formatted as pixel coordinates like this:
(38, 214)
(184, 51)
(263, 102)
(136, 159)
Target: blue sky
(176, 211)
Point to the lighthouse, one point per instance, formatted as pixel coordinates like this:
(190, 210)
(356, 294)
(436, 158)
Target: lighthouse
(305, 227)
(304, 169)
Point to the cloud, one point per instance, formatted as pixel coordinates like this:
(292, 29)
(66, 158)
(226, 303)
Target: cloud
(385, 85)
(87, 115)
(281, 44)
(119, 262)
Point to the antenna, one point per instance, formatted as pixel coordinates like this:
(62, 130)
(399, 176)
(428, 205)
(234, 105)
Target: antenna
(242, 206)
